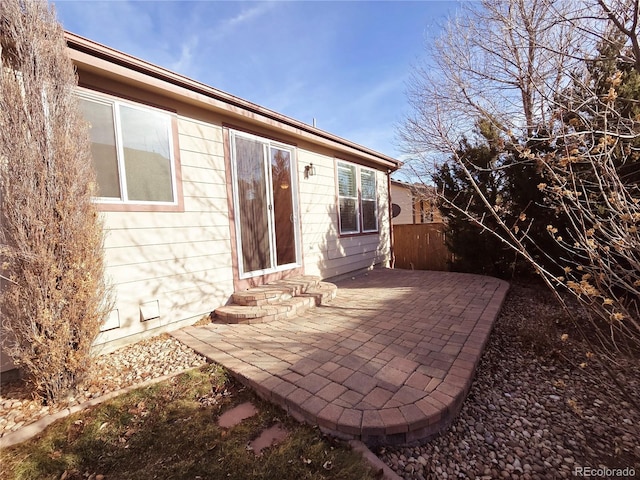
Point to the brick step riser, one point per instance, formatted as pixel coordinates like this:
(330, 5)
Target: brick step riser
(287, 299)
(260, 310)
(321, 297)
(285, 311)
(239, 299)
(288, 289)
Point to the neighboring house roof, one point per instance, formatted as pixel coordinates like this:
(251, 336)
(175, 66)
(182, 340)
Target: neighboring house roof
(400, 183)
(417, 188)
(415, 203)
(92, 56)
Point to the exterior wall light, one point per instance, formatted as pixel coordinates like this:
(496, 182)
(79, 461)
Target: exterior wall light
(309, 171)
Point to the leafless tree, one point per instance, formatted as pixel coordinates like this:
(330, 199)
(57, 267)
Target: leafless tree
(527, 68)
(54, 296)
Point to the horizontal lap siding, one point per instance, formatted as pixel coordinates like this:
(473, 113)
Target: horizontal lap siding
(354, 245)
(180, 259)
(325, 252)
(317, 210)
(402, 197)
(195, 300)
(159, 252)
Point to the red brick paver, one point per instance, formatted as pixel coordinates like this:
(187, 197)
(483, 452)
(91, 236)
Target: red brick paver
(390, 360)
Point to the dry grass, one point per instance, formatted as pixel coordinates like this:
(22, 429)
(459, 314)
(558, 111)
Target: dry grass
(170, 431)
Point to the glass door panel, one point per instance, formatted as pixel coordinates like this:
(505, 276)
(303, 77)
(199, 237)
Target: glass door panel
(265, 205)
(253, 204)
(283, 212)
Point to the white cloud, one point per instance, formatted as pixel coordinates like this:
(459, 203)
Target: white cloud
(249, 14)
(230, 26)
(184, 63)
(375, 95)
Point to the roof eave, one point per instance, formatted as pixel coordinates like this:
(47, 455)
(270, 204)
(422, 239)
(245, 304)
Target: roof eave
(110, 55)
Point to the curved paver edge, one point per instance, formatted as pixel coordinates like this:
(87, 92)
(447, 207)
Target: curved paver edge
(440, 407)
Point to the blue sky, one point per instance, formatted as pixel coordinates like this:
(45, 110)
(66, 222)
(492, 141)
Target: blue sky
(345, 64)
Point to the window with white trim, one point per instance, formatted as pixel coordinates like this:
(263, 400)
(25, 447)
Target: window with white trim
(368, 200)
(357, 199)
(132, 151)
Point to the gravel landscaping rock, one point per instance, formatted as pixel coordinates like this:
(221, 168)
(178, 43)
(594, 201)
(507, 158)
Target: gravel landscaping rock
(533, 412)
(131, 365)
(539, 408)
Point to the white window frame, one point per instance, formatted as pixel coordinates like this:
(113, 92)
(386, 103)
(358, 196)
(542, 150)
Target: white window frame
(267, 144)
(354, 168)
(115, 104)
(374, 199)
(358, 198)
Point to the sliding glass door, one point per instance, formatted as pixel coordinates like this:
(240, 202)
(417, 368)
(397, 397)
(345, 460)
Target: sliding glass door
(265, 205)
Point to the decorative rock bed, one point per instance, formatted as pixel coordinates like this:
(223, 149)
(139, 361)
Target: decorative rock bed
(533, 412)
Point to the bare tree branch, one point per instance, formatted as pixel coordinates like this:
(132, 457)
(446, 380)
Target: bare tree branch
(548, 74)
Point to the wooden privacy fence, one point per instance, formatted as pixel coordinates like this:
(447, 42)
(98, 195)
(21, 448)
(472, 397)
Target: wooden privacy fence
(421, 247)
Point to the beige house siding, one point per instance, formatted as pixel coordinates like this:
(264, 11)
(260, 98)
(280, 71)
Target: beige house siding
(183, 260)
(180, 263)
(402, 196)
(415, 208)
(325, 252)
(179, 259)
(318, 214)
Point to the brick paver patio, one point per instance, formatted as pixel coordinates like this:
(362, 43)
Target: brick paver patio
(389, 361)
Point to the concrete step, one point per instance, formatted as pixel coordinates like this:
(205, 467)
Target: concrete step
(263, 313)
(261, 296)
(275, 292)
(276, 301)
(323, 292)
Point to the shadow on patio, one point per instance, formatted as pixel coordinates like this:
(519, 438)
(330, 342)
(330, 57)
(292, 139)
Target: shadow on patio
(389, 361)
